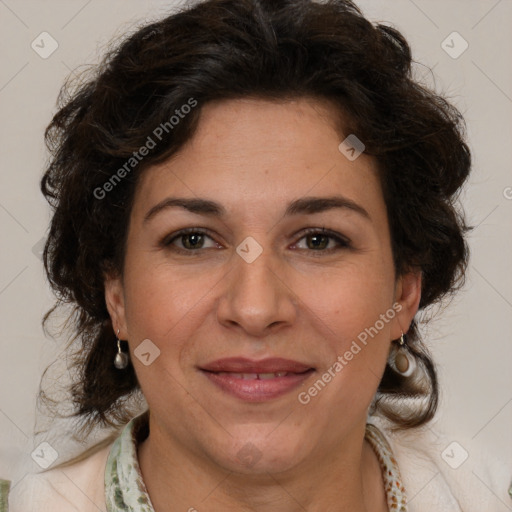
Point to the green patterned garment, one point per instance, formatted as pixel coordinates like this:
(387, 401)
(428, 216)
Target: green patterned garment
(4, 492)
(124, 488)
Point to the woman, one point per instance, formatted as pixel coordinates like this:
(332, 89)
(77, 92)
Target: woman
(252, 201)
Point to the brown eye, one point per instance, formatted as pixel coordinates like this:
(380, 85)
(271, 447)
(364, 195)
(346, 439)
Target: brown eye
(188, 240)
(192, 240)
(319, 240)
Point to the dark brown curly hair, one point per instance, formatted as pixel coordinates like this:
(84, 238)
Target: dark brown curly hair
(227, 49)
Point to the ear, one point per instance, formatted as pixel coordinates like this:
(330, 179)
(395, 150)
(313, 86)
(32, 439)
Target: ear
(114, 297)
(407, 295)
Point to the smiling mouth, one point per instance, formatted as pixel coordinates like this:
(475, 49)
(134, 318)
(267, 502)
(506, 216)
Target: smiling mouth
(255, 376)
(257, 387)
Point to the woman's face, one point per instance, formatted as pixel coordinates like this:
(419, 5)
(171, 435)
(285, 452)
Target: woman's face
(255, 280)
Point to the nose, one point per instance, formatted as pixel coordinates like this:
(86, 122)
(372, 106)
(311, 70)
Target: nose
(257, 297)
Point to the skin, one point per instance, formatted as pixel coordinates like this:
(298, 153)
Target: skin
(295, 301)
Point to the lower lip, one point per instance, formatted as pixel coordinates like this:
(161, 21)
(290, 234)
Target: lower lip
(256, 390)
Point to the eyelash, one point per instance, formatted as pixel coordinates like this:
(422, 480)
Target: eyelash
(343, 242)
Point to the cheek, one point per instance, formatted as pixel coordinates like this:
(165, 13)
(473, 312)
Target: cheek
(351, 299)
(159, 298)
(354, 312)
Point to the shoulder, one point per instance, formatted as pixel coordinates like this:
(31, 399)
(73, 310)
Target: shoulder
(441, 473)
(78, 487)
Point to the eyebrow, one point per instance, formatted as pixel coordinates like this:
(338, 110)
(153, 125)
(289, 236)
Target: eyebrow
(304, 205)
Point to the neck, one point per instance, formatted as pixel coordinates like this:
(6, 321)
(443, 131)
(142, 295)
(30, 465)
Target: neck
(346, 477)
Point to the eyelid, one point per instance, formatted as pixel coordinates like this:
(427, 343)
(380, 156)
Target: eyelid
(342, 240)
(325, 231)
(168, 239)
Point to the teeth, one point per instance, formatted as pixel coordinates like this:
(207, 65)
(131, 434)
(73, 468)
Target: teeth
(264, 376)
(254, 376)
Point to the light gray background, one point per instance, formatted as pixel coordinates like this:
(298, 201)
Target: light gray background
(471, 341)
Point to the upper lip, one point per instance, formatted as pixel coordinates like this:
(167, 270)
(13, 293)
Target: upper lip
(244, 365)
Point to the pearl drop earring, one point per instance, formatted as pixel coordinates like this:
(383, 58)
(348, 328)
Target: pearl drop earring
(403, 361)
(121, 359)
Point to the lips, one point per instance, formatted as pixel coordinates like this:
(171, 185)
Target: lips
(255, 376)
(243, 365)
(256, 381)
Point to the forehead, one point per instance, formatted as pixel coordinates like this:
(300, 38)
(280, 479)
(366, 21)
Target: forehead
(250, 152)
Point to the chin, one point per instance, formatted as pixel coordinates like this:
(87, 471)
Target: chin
(260, 454)
(250, 461)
